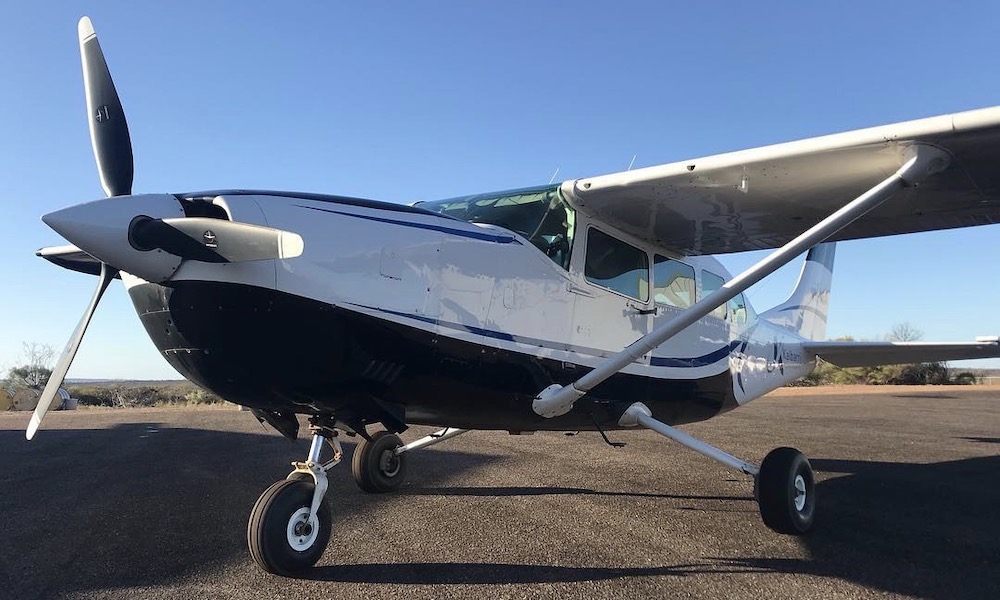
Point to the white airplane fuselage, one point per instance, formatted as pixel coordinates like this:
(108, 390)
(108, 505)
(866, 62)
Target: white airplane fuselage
(395, 312)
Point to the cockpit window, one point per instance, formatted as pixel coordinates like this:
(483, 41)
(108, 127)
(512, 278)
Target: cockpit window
(540, 215)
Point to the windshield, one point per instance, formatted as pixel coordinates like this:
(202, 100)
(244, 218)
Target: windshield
(539, 214)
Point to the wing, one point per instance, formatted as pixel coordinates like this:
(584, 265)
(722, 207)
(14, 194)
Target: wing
(870, 354)
(762, 198)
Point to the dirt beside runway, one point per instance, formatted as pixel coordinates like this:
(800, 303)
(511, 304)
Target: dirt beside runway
(152, 503)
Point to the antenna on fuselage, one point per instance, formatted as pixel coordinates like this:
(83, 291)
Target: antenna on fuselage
(630, 163)
(553, 178)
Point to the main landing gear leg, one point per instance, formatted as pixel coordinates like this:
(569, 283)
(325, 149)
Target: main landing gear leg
(379, 464)
(783, 484)
(290, 524)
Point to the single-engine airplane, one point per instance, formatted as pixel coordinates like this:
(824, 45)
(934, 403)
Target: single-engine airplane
(592, 304)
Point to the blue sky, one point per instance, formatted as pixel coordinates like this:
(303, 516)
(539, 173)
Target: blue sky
(407, 101)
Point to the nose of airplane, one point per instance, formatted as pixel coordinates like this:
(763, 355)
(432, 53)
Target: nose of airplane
(102, 229)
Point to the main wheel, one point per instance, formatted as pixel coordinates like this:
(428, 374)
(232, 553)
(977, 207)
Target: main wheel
(376, 466)
(786, 491)
(281, 537)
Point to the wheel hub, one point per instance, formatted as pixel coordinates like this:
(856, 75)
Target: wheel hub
(388, 463)
(302, 531)
(800, 493)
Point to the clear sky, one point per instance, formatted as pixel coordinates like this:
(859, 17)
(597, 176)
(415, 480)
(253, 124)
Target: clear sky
(422, 100)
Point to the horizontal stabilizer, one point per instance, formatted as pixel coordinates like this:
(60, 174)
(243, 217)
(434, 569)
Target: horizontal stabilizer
(870, 354)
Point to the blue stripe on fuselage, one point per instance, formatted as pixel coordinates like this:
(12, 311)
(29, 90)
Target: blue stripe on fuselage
(655, 361)
(486, 237)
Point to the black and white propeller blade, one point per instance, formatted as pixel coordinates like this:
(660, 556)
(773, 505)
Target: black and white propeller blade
(108, 128)
(215, 240)
(51, 390)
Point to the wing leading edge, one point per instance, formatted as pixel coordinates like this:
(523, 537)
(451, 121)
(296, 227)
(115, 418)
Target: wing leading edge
(870, 354)
(764, 197)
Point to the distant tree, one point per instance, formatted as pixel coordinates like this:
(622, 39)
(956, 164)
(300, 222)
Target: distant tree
(933, 373)
(904, 332)
(34, 370)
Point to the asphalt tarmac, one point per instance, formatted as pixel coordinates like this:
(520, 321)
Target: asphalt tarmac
(153, 503)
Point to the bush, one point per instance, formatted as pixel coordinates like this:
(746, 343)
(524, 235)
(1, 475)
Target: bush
(129, 394)
(964, 378)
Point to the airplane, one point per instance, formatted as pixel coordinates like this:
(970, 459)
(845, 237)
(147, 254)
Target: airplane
(592, 304)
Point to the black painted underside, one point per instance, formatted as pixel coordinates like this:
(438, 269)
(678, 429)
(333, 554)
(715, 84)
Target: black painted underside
(276, 351)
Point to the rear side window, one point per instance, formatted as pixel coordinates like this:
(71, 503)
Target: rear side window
(738, 310)
(616, 265)
(711, 282)
(673, 282)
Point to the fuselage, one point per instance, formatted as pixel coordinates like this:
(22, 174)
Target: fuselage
(401, 314)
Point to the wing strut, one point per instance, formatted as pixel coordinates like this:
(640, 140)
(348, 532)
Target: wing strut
(922, 161)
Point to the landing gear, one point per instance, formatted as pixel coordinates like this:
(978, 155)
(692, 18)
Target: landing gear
(783, 485)
(376, 466)
(786, 491)
(379, 465)
(290, 523)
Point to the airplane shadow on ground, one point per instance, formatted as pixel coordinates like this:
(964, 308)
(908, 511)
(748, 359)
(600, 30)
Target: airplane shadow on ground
(142, 505)
(506, 491)
(928, 530)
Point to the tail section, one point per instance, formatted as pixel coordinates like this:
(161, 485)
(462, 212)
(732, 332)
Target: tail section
(805, 310)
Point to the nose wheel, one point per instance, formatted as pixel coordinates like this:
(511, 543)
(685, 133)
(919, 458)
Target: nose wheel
(282, 536)
(290, 523)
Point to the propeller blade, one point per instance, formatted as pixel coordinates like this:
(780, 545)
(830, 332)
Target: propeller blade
(108, 275)
(215, 240)
(108, 128)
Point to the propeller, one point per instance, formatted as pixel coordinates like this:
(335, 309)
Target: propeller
(113, 151)
(98, 229)
(108, 128)
(51, 390)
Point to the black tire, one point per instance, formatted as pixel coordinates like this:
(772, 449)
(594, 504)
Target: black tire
(375, 466)
(786, 492)
(268, 536)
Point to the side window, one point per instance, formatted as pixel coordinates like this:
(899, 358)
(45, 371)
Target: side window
(673, 282)
(711, 282)
(738, 310)
(618, 266)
